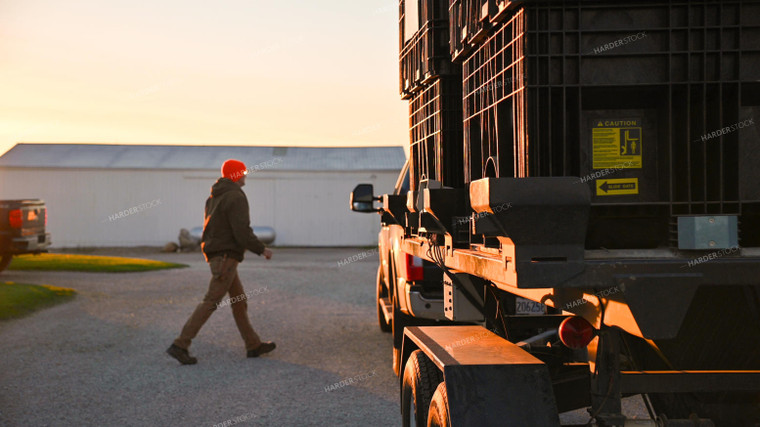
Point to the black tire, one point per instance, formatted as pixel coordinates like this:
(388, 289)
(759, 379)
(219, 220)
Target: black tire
(382, 292)
(438, 414)
(421, 377)
(5, 260)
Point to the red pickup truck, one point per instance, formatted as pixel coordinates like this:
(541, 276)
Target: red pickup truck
(22, 229)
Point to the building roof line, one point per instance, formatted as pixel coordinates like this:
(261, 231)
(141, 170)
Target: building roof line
(165, 157)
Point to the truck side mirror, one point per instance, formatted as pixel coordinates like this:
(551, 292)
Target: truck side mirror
(362, 198)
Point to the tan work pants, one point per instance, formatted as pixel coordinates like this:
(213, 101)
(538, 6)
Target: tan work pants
(224, 280)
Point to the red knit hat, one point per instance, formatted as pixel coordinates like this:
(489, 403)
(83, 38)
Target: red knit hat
(234, 170)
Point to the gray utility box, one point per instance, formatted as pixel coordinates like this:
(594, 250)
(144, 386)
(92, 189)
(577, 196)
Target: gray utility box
(708, 232)
(456, 305)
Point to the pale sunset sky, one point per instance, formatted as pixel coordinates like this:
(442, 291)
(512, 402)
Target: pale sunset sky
(228, 72)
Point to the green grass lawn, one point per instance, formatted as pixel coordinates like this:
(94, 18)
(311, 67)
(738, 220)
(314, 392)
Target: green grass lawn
(90, 263)
(19, 299)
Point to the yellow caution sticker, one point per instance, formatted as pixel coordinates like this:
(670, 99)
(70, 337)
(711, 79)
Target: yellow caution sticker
(617, 144)
(617, 187)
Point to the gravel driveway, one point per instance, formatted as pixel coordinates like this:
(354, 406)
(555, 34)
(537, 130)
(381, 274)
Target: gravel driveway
(99, 360)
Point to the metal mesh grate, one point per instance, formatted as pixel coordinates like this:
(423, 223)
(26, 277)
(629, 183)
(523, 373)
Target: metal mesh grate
(425, 55)
(435, 122)
(537, 87)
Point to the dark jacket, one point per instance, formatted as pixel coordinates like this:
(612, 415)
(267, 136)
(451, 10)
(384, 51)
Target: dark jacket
(227, 226)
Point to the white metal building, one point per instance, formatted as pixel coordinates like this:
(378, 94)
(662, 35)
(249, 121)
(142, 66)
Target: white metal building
(301, 192)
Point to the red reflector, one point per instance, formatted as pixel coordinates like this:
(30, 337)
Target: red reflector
(576, 332)
(15, 219)
(414, 270)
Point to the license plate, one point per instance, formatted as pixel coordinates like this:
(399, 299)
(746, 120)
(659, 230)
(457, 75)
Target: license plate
(524, 306)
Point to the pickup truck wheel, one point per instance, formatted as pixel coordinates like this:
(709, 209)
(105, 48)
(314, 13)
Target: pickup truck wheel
(438, 415)
(4, 261)
(421, 377)
(382, 292)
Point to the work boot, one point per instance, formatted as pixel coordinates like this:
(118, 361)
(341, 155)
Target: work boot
(263, 348)
(181, 355)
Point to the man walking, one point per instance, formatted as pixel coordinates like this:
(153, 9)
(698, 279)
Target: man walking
(227, 234)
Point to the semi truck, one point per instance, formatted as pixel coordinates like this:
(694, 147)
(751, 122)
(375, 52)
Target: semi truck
(581, 216)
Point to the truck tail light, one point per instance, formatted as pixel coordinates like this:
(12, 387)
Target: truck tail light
(15, 218)
(413, 268)
(575, 332)
(45, 217)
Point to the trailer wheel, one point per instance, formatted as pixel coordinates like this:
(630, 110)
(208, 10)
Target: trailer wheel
(382, 292)
(421, 377)
(4, 261)
(438, 415)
